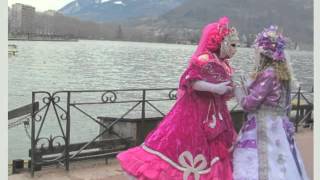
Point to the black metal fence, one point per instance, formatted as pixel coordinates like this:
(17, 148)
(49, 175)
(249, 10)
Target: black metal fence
(60, 109)
(302, 104)
(57, 149)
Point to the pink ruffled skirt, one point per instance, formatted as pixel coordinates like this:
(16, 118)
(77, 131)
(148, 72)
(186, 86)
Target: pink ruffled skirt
(146, 166)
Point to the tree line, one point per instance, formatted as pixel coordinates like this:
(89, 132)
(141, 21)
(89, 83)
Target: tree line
(56, 24)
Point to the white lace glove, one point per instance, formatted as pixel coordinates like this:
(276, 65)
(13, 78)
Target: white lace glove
(245, 79)
(220, 88)
(239, 93)
(247, 83)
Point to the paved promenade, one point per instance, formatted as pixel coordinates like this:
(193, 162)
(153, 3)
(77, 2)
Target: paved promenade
(98, 170)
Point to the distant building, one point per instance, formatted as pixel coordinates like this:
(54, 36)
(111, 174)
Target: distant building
(22, 18)
(9, 19)
(51, 12)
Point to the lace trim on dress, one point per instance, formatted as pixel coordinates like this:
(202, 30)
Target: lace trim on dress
(262, 145)
(185, 167)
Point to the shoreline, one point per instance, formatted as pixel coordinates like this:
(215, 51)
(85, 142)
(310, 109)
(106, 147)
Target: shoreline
(71, 40)
(308, 49)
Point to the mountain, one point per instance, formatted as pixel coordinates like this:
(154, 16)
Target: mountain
(181, 20)
(295, 17)
(118, 10)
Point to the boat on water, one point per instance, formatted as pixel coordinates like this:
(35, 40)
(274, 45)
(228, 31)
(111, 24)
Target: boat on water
(12, 49)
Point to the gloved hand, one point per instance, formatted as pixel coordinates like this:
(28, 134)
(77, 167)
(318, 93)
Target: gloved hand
(220, 88)
(239, 93)
(247, 82)
(246, 79)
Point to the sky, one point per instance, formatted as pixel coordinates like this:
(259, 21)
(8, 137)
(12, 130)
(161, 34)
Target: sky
(42, 5)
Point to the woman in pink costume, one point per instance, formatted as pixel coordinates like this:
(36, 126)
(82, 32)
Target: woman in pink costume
(195, 139)
(266, 149)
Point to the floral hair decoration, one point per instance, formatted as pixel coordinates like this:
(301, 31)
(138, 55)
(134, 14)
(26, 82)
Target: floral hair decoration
(217, 34)
(271, 43)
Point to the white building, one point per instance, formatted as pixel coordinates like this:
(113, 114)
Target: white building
(22, 18)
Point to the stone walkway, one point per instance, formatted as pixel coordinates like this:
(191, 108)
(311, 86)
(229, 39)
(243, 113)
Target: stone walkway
(304, 140)
(98, 170)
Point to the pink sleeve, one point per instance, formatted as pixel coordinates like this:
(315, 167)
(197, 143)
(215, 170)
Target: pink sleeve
(259, 90)
(190, 75)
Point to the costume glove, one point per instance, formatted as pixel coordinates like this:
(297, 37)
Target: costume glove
(247, 83)
(220, 88)
(239, 93)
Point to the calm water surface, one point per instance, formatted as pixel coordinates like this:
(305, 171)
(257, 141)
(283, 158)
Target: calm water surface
(99, 65)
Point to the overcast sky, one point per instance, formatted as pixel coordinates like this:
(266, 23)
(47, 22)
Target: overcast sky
(42, 5)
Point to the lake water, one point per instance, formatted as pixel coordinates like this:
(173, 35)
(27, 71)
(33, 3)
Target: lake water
(99, 65)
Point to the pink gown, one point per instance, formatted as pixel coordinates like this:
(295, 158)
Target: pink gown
(195, 139)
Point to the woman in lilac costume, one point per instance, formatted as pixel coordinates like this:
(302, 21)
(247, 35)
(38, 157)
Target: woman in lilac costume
(195, 138)
(265, 148)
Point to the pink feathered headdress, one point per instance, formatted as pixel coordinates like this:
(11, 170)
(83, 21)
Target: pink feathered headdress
(212, 36)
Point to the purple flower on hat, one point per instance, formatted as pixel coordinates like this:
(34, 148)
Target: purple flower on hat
(271, 43)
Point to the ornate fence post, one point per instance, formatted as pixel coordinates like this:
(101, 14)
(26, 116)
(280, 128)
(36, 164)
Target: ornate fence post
(143, 114)
(143, 110)
(68, 131)
(298, 110)
(32, 136)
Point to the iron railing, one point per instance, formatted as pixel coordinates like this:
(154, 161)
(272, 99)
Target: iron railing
(67, 106)
(57, 149)
(302, 104)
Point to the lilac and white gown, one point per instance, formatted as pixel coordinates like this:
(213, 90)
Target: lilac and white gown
(265, 149)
